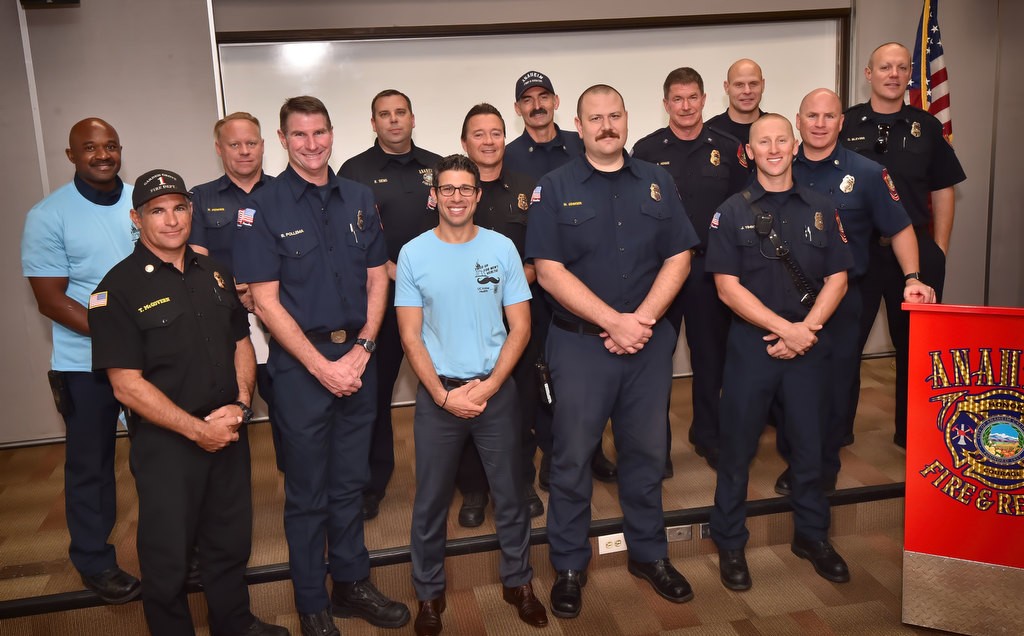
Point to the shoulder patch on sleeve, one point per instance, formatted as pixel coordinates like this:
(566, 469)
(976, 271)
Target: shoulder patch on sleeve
(715, 220)
(535, 197)
(99, 299)
(741, 155)
(890, 185)
(839, 226)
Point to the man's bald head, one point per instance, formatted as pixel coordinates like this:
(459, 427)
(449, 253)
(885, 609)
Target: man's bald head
(744, 66)
(744, 85)
(894, 47)
(767, 120)
(819, 121)
(95, 149)
(822, 96)
(888, 73)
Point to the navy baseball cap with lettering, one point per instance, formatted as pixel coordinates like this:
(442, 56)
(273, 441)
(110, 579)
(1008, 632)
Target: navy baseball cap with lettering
(156, 183)
(531, 79)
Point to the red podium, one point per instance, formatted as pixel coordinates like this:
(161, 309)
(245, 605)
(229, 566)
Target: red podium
(963, 560)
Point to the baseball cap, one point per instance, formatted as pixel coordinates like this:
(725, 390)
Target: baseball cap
(156, 183)
(531, 79)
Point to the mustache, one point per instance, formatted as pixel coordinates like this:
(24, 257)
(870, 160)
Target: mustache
(607, 134)
(538, 111)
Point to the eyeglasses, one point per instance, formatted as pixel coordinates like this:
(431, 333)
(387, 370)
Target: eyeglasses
(882, 143)
(464, 190)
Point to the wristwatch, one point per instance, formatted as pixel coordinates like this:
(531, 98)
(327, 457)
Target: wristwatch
(246, 412)
(369, 345)
(913, 275)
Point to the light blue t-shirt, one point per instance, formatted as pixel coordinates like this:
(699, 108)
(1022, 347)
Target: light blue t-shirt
(462, 288)
(68, 236)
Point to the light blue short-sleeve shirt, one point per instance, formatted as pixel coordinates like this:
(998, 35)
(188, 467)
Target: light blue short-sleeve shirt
(462, 288)
(68, 236)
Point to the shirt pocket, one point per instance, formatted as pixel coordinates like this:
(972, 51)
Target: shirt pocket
(299, 262)
(162, 328)
(579, 231)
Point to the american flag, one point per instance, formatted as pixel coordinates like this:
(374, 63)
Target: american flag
(931, 75)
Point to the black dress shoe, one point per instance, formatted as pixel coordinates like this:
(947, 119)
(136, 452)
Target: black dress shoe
(732, 566)
(319, 624)
(361, 599)
(113, 585)
(528, 606)
(428, 620)
(371, 505)
(665, 579)
(710, 455)
(827, 562)
(603, 468)
(533, 503)
(259, 628)
(783, 485)
(471, 514)
(567, 593)
(669, 469)
(544, 474)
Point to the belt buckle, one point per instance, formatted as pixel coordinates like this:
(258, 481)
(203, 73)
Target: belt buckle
(339, 336)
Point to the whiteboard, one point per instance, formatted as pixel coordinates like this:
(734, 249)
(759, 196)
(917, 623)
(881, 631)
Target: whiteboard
(445, 76)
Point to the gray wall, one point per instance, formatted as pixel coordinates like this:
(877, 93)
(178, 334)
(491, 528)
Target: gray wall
(147, 66)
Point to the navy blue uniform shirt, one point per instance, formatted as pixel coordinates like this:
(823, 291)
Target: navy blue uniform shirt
(401, 188)
(613, 231)
(859, 190)
(179, 328)
(804, 220)
(319, 252)
(215, 208)
(533, 159)
(707, 170)
(914, 151)
(503, 206)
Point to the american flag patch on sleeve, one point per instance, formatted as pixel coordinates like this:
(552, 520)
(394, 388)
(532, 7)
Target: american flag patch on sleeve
(99, 299)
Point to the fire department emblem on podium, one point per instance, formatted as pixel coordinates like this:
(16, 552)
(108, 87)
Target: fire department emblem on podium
(984, 435)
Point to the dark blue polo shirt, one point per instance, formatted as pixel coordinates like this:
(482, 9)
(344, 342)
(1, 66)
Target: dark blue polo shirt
(916, 154)
(534, 159)
(503, 206)
(401, 187)
(613, 231)
(806, 223)
(215, 207)
(858, 189)
(707, 170)
(319, 252)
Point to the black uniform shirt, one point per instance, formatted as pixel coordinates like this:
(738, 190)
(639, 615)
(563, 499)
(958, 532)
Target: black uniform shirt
(707, 170)
(613, 231)
(401, 187)
(179, 329)
(318, 252)
(914, 151)
(215, 208)
(503, 206)
(528, 157)
(805, 221)
(740, 131)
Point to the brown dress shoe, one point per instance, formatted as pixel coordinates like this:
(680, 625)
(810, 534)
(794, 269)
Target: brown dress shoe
(428, 620)
(530, 609)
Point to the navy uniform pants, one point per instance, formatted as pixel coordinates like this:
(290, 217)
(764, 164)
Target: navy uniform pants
(326, 442)
(188, 496)
(592, 385)
(389, 362)
(843, 386)
(440, 438)
(707, 327)
(90, 493)
(752, 380)
(884, 280)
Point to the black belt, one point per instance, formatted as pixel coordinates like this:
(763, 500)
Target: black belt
(338, 336)
(451, 384)
(578, 326)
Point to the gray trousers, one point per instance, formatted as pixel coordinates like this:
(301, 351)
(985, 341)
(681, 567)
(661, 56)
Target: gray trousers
(439, 437)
